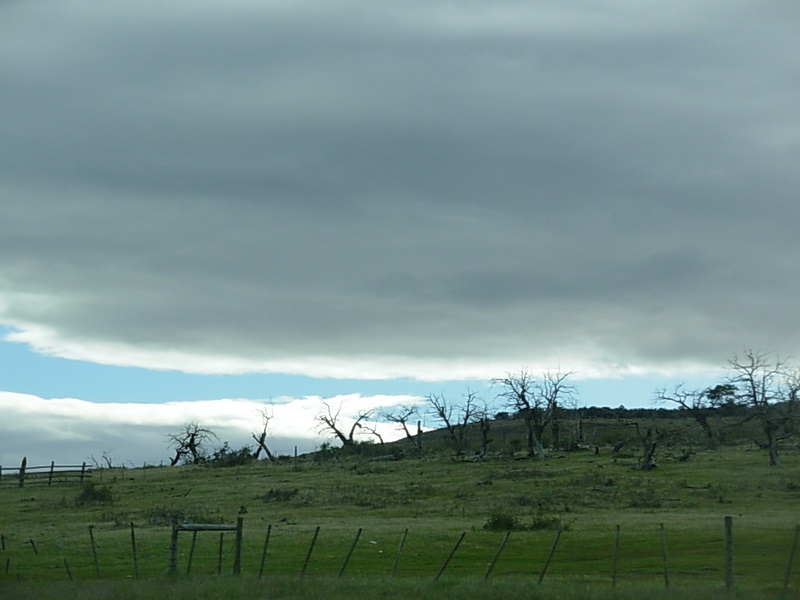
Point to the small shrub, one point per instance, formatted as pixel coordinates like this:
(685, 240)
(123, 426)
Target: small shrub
(525, 500)
(645, 498)
(369, 496)
(501, 521)
(421, 490)
(227, 457)
(589, 479)
(279, 495)
(164, 515)
(515, 444)
(542, 521)
(91, 493)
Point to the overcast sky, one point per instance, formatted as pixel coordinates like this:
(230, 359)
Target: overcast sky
(430, 191)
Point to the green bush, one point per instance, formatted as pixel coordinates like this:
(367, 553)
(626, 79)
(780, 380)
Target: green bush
(501, 521)
(227, 457)
(646, 497)
(161, 515)
(542, 521)
(279, 495)
(92, 493)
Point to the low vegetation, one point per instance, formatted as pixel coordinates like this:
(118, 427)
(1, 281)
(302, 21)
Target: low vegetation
(426, 498)
(545, 500)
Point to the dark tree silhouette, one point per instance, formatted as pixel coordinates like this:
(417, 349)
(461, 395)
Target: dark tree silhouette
(329, 420)
(538, 403)
(189, 443)
(261, 438)
(699, 404)
(763, 384)
(402, 415)
(456, 416)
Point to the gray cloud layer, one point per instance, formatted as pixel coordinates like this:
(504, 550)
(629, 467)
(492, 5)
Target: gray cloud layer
(434, 189)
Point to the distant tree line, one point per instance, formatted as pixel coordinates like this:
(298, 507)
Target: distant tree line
(759, 397)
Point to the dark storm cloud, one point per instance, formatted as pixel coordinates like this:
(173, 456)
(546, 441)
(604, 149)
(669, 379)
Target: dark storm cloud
(429, 189)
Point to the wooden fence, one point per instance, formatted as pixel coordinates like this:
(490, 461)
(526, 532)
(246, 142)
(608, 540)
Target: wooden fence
(24, 474)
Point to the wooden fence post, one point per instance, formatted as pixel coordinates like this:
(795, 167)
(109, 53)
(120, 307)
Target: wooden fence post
(791, 560)
(94, 550)
(50, 476)
(616, 558)
(191, 553)
(310, 550)
(549, 556)
(135, 556)
(173, 548)
(399, 552)
(237, 552)
(194, 528)
(496, 556)
(264, 552)
(219, 557)
(729, 553)
(664, 553)
(350, 553)
(83, 471)
(449, 556)
(22, 471)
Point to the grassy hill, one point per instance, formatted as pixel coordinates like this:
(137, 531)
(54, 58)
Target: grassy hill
(52, 534)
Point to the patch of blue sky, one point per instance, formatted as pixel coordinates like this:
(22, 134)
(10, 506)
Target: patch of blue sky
(25, 371)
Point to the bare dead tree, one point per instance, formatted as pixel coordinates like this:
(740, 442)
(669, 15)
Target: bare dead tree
(189, 443)
(698, 404)
(261, 439)
(401, 416)
(485, 423)
(456, 417)
(519, 393)
(648, 441)
(764, 384)
(107, 460)
(372, 430)
(556, 393)
(469, 412)
(329, 420)
(441, 409)
(538, 402)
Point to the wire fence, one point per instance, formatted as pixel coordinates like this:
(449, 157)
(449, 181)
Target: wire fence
(137, 552)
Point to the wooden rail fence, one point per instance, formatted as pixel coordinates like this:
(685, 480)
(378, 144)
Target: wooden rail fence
(43, 474)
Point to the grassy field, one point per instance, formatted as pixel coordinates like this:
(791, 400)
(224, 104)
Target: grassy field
(435, 499)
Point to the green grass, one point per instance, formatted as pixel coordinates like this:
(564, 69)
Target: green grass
(206, 588)
(436, 499)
